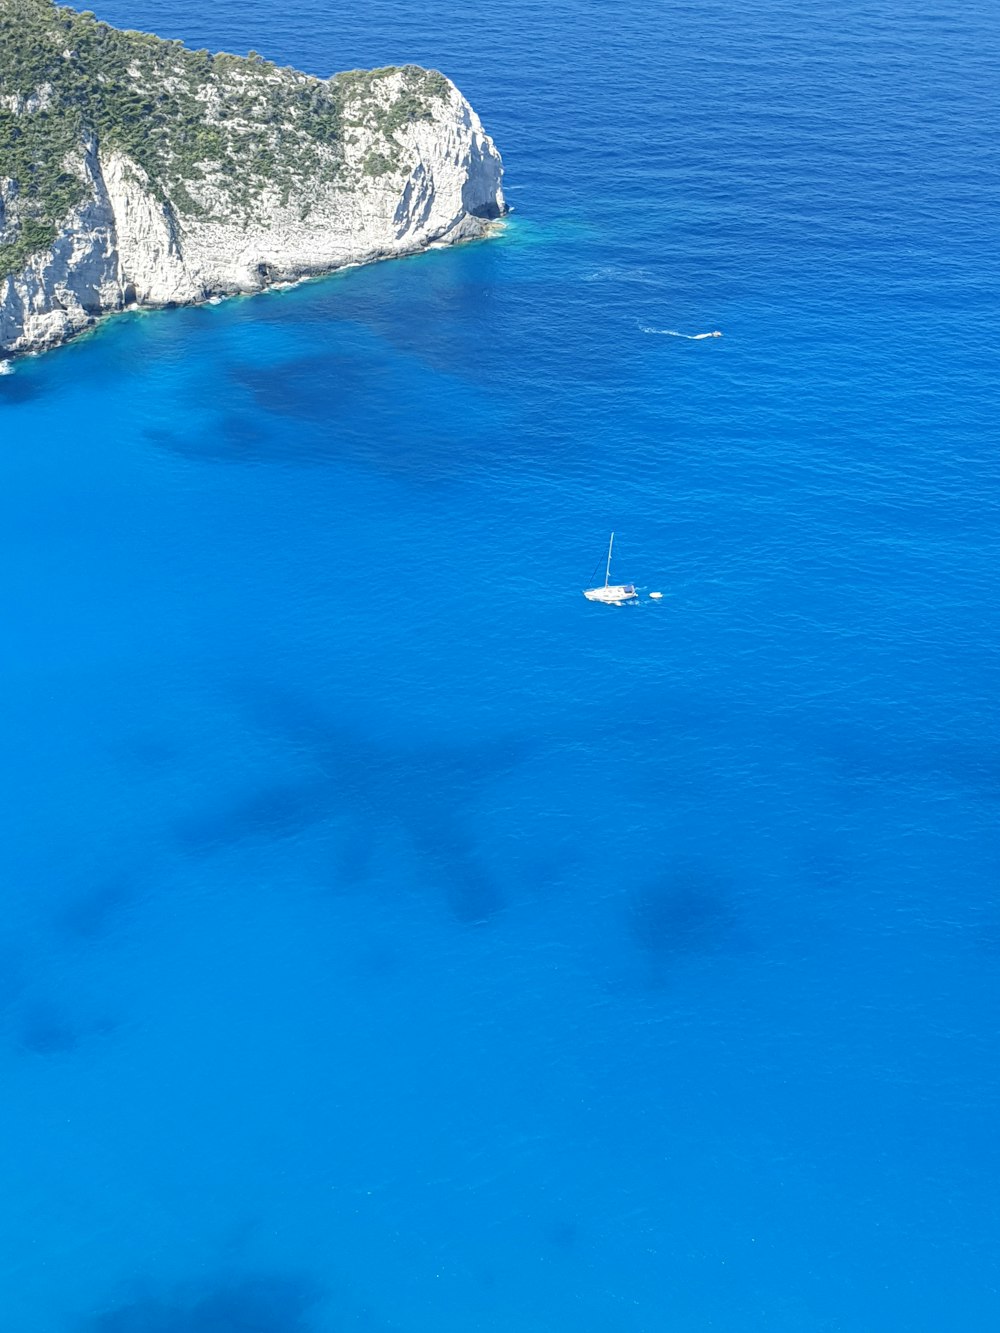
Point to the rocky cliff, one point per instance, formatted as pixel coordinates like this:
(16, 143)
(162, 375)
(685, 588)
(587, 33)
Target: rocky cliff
(137, 171)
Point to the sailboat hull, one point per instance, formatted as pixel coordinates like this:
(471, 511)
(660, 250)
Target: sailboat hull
(613, 595)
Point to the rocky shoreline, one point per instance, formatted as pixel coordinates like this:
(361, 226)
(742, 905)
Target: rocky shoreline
(410, 166)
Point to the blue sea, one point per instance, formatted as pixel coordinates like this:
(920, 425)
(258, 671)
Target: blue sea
(395, 941)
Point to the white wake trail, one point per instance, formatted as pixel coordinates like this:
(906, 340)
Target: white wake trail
(673, 333)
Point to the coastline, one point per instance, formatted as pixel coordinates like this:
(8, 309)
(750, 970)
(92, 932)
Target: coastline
(247, 175)
(488, 229)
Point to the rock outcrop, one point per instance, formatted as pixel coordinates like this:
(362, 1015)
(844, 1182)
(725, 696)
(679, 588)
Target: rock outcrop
(398, 160)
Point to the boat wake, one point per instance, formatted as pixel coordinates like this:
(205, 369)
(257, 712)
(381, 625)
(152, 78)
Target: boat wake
(673, 333)
(6, 368)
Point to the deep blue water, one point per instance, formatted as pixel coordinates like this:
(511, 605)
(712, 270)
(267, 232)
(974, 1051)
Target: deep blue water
(392, 939)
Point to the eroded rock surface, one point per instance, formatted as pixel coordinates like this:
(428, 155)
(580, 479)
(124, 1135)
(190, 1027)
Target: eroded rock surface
(270, 176)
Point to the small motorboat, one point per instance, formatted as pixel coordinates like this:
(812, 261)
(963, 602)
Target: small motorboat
(612, 594)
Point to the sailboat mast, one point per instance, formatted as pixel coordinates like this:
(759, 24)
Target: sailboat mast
(607, 572)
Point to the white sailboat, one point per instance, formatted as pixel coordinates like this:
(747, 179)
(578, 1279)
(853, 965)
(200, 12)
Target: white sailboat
(613, 594)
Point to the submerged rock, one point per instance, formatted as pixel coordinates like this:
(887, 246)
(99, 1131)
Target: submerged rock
(134, 171)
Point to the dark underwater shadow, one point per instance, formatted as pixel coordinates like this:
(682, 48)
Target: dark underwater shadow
(47, 1029)
(235, 438)
(562, 1234)
(427, 794)
(91, 914)
(32, 1023)
(686, 911)
(43, 1030)
(258, 1303)
(869, 759)
(350, 406)
(351, 397)
(270, 812)
(20, 387)
(367, 790)
(430, 454)
(423, 305)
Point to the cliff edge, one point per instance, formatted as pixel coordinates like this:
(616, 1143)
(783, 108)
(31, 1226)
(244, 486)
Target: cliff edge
(136, 171)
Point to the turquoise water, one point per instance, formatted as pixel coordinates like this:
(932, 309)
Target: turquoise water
(394, 940)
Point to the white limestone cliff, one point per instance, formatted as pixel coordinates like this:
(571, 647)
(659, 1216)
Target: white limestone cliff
(125, 244)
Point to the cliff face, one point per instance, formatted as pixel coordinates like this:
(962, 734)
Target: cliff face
(249, 174)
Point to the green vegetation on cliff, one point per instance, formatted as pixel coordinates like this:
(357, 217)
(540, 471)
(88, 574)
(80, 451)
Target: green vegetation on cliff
(221, 127)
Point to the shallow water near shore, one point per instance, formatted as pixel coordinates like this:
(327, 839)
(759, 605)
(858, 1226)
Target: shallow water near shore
(394, 940)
